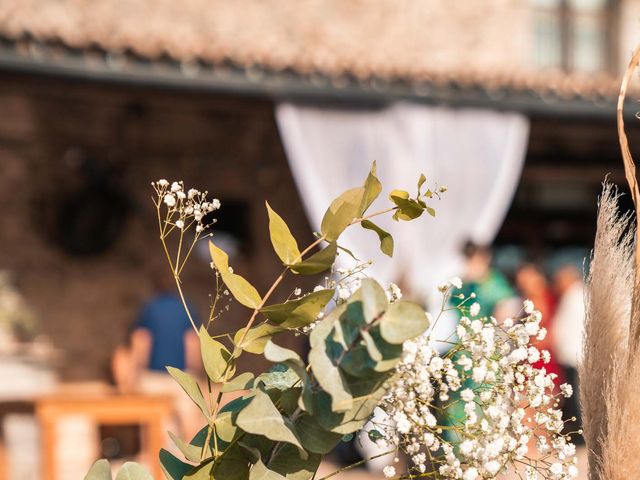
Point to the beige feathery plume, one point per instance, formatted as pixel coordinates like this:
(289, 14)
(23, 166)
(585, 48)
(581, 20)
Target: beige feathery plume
(608, 306)
(609, 390)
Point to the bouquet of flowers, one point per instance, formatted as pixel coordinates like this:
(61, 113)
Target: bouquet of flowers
(474, 412)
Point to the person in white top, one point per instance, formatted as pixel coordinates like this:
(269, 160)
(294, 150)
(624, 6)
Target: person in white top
(568, 327)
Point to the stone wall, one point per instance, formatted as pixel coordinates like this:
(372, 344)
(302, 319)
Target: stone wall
(50, 131)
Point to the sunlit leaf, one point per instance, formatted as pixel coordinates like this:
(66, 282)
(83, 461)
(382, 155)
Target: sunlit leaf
(257, 337)
(277, 354)
(283, 242)
(191, 387)
(386, 240)
(225, 429)
(325, 372)
(421, 181)
(100, 470)
(408, 208)
(261, 417)
(215, 357)
(241, 289)
(133, 471)
(342, 211)
(243, 381)
(403, 321)
(260, 472)
(318, 262)
(299, 312)
(372, 188)
(190, 452)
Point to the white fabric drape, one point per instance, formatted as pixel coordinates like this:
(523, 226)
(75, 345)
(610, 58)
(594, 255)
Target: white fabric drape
(476, 154)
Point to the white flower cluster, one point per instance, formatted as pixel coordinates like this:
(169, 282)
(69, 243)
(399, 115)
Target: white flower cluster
(184, 207)
(477, 410)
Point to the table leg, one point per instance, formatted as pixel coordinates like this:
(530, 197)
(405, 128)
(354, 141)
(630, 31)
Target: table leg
(47, 449)
(155, 441)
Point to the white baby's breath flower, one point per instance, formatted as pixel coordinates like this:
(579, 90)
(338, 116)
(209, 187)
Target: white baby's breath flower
(389, 471)
(176, 187)
(163, 182)
(474, 309)
(566, 390)
(169, 200)
(528, 306)
(180, 224)
(456, 282)
(467, 395)
(297, 291)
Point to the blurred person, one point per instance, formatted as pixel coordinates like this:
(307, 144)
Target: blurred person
(568, 326)
(533, 285)
(491, 288)
(162, 336)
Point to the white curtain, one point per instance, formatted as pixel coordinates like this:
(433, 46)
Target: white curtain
(476, 154)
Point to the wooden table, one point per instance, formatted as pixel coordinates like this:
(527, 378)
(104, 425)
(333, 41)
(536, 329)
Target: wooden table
(150, 412)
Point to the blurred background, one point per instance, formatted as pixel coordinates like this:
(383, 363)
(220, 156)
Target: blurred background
(508, 103)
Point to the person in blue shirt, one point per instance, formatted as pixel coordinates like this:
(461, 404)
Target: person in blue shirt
(162, 337)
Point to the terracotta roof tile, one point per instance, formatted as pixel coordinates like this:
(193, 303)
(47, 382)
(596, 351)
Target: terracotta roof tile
(412, 40)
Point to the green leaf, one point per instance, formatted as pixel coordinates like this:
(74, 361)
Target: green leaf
(431, 211)
(408, 208)
(374, 435)
(314, 438)
(283, 242)
(100, 470)
(173, 468)
(191, 388)
(260, 472)
(241, 289)
(386, 240)
(215, 357)
(373, 299)
(277, 354)
(403, 321)
(421, 181)
(199, 440)
(329, 377)
(342, 211)
(299, 312)
(243, 381)
(288, 462)
(190, 452)
(133, 471)
(233, 465)
(367, 394)
(261, 417)
(256, 338)
(318, 262)
(200, 472)
(372, 188)
(225, 429)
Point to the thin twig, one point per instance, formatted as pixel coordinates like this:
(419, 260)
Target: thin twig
(630, 175)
